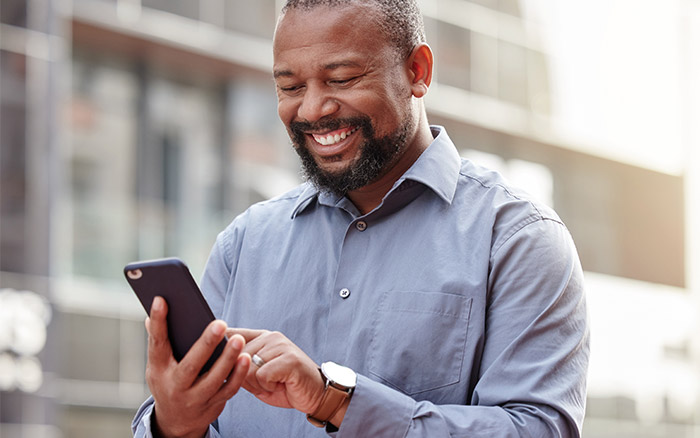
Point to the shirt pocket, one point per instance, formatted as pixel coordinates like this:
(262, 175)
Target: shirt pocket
(418, 340)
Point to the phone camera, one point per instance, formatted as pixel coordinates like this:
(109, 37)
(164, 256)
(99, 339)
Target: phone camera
(134, 274)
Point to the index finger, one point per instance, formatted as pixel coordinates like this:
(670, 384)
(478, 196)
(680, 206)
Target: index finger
(190, 366)
(248, 334)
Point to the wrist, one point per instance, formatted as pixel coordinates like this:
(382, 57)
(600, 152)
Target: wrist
(158, 431)
(339, 384)
(338, 417)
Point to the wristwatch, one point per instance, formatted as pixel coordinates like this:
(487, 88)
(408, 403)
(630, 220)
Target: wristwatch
(340, 382)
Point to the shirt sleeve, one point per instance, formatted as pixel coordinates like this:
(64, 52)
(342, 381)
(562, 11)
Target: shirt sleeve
(219, 267)
(534, 362)
(215, 279)
(141, 425)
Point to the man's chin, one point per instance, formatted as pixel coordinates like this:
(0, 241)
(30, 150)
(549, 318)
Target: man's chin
(333, 167)
(330, 177)
(340, 174)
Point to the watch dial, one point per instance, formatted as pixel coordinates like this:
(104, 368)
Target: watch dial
(339, 374)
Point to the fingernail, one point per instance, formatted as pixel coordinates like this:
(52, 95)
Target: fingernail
(237, 343)
(243, 359)
(218, 328)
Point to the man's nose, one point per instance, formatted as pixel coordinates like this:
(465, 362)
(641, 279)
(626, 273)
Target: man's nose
(316, 104)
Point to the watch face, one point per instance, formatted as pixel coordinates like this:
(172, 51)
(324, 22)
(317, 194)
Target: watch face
(339, 374)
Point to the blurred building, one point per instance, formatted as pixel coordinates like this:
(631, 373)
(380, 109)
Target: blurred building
(135, 129)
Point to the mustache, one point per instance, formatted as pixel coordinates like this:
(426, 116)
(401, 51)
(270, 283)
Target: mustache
(298, 128)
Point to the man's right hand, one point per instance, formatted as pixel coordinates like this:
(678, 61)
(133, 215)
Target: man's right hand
(186, 403)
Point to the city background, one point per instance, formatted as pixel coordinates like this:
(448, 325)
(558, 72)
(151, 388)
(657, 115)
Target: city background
(136, 129)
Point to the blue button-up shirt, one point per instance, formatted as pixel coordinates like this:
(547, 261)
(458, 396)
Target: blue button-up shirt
(458, 301)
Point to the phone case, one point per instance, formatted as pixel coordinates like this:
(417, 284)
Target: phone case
(188, 312)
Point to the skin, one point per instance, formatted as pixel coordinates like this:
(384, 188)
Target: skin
(185, 403)
(329, 63)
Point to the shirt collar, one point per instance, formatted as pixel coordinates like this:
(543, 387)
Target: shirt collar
(437, 168)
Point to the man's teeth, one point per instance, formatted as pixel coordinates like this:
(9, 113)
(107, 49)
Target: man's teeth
(327, 140)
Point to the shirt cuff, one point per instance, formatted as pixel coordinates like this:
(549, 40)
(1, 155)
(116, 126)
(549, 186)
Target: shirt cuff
(141, 426)
(376, 410)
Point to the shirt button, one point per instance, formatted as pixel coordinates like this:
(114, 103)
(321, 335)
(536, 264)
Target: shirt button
(344, 293)
(361, 225)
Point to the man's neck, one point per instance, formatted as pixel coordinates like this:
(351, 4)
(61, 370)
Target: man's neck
(369, 197)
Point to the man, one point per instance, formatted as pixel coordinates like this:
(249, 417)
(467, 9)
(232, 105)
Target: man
(452, 303)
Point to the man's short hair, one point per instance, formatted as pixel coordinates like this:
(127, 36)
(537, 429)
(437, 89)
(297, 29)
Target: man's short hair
(400, 20)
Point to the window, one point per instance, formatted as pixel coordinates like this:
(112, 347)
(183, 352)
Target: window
(452, 52)
(512, 73)
(185, 8)
(256, 18)
(13, 119)
(14, 12)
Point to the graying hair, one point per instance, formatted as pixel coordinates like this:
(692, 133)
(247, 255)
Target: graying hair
(401, 20)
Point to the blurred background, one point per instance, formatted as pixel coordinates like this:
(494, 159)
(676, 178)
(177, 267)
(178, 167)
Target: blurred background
(135, 129)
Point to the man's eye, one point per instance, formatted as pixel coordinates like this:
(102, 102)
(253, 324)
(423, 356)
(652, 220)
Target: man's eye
(291, 89)
(343, 81)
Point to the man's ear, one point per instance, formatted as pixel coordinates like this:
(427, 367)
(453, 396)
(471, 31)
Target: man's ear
(420, 64)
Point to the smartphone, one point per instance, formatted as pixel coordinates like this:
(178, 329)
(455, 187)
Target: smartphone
(188, 312)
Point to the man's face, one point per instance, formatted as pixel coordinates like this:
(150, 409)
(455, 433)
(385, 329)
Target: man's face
(343, 94)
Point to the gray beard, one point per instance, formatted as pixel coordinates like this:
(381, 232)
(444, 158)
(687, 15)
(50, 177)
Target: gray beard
(377, 155)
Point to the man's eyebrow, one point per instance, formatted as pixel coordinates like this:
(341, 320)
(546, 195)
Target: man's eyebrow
(331, 66)
(282, 74)
(339, 64)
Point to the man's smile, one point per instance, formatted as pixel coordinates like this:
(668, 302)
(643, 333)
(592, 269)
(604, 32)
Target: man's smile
(333, 137)
(333, 144)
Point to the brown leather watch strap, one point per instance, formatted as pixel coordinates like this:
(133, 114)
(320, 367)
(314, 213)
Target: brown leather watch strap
(331, 401)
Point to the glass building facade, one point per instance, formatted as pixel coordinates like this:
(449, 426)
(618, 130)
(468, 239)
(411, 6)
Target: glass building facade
(136, 129)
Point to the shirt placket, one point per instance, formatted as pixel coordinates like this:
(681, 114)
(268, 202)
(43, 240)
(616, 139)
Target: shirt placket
(347, 290)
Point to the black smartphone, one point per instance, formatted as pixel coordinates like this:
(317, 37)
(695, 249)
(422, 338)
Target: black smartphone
(188, 312)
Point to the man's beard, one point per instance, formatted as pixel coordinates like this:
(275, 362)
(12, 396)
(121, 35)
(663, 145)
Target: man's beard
(377, 155)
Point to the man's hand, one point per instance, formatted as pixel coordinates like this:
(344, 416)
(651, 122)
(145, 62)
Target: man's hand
(186, 403)
(288, 378)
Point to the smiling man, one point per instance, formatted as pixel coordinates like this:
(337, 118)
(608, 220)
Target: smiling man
(351, 99)
(401, 291)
